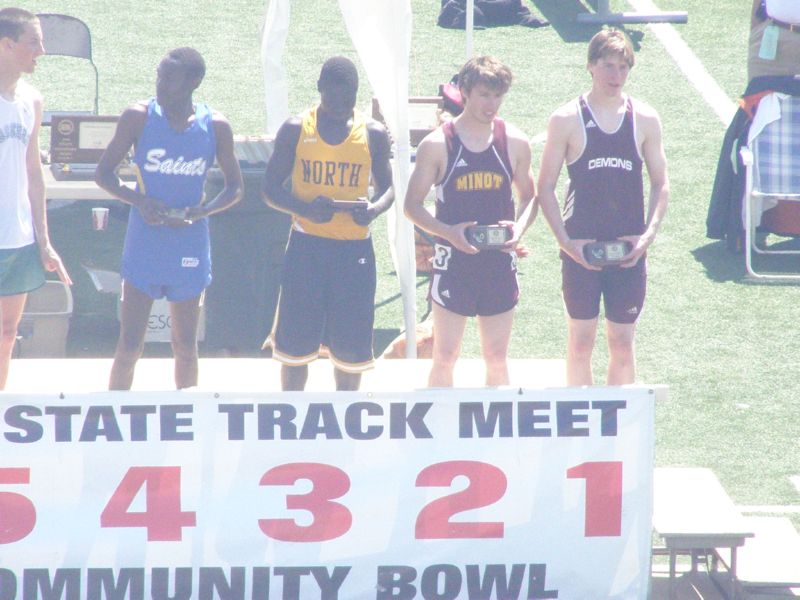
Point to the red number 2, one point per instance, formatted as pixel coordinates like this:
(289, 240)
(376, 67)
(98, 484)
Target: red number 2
(17, 513)
(163, 517)
(487, 484)
(603, 497)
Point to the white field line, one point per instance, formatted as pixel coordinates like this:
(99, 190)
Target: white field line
(688, 62)
(795, 479)
(773, 509)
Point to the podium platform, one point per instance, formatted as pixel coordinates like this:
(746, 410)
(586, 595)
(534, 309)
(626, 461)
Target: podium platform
(262, 375)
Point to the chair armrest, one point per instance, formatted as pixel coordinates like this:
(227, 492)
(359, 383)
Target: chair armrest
(747, 156)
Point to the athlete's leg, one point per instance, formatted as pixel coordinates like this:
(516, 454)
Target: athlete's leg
(622, 359)
(10, 313)
(581, 334)
(185, 315)
(495, 332)
(134, 311)
(346, 382)
(448, 329)
(293, 378)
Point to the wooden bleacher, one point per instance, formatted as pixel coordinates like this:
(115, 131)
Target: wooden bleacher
(694, 516)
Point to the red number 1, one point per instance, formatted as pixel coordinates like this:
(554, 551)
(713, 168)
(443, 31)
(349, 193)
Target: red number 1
(603, 497)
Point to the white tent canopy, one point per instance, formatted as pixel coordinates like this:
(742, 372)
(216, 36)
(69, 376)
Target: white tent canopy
(381, 33)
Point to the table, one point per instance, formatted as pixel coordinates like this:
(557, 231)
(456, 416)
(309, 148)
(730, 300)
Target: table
(604, 15)
(73, 189)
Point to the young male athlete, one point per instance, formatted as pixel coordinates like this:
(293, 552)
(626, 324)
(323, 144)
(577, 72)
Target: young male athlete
(604, 137)
(328, 282)
(25, 250)
(167, 250)
(474, 161)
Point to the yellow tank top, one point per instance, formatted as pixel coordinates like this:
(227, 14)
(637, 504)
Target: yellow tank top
(340, 172)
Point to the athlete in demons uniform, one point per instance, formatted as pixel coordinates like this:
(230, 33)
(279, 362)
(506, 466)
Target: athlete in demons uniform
(167, 250)
(328, 280)
(604, 137)
(474, 161)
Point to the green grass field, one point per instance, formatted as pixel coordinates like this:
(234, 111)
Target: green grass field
(724, 346)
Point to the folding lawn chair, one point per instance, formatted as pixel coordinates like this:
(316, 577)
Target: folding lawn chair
(64, 35)
(772, 177)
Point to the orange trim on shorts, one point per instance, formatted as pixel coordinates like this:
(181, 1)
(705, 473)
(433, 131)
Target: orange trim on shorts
(352, 367)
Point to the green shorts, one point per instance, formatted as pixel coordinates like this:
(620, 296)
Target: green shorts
(21, 270)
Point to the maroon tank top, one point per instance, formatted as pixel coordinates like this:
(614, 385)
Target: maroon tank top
(476, 185)
(605, 199)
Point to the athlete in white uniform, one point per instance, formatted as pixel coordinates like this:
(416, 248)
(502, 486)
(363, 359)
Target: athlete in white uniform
(24, 241)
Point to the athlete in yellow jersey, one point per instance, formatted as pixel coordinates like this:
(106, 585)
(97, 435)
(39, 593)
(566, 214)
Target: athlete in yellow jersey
(329, 154)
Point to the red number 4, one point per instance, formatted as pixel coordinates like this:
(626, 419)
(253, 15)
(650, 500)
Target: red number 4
(162, 517)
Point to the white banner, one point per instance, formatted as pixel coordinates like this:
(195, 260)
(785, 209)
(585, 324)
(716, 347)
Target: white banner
(436, 495)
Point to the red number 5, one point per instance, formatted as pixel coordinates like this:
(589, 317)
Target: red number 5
(17, 513)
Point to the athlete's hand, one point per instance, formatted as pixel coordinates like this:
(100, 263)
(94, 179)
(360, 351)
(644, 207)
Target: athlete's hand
(364, 215)
(574, 248)
(516, 233)
(638, 248)
(457, 235)
(51, 261)
(319, 210)
(152, 210)
(195, 213)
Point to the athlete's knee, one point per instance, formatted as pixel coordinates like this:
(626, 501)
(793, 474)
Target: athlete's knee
(129, 347)
(581, 343)
(495, 355)
(445, 356)
(184, 346)
(621, 346)
(8, 336)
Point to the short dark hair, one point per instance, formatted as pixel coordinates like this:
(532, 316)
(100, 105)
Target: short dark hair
(338, 70)
(13, 21)
(190, 61)
(485, 70)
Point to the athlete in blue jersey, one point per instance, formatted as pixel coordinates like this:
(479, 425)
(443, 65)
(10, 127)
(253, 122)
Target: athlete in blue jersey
(167, 252)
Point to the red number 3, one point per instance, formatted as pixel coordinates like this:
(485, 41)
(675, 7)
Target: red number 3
(330, 519)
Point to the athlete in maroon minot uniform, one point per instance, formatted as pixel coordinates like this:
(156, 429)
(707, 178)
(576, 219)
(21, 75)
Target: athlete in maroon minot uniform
(604, 137)
(474, 161)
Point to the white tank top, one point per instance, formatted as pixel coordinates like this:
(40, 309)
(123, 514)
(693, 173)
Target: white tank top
(16, 125)
(787, 11)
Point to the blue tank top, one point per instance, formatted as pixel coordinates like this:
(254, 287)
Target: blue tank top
(172, 167)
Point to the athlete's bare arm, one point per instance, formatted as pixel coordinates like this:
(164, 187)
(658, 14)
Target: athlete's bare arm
(37, 198)
(279, 169)
(429, 168)
(519, 151)
(649, 138)
(380, 150)
(129, 128)
(564, 141)
(231, 191)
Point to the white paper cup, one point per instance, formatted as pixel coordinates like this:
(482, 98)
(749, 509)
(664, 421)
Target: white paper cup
(99, 218)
